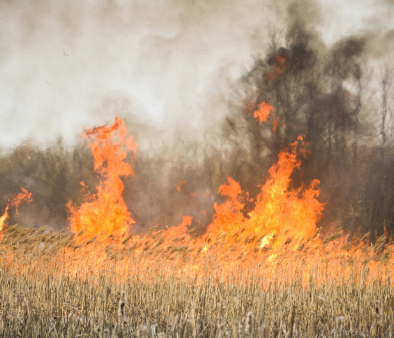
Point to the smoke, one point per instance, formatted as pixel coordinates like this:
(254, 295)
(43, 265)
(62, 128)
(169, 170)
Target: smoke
(181, 74)
(174, 61)
(61, 62)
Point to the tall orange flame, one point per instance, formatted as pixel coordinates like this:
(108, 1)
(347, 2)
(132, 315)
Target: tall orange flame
(279, 210)
(105, 212)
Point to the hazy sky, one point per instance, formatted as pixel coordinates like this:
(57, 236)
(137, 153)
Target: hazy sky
(68, 65)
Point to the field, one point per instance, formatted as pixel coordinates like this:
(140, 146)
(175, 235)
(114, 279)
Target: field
(266, 274)
(234, 176)
(61, 285)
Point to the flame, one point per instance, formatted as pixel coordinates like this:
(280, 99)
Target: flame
(179, 185)
(3, 219)
(275, 124)
(16, 201)
(106, 212)
(280, 212)
(22, 196)
(275, 244)
(280, 63)
(279, 209)
(267, 239)
(262, 113)
(178, 230)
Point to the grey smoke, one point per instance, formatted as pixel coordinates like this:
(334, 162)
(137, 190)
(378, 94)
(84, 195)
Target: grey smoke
(167, 64)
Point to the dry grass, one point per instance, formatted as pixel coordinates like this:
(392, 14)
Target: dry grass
(56, 285)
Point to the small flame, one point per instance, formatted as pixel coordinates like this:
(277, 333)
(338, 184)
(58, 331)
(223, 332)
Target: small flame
(280, 62)
(16, 201)
(22, 196)
(275, 124)
(262, 113)
(3, 219)
(179, 185)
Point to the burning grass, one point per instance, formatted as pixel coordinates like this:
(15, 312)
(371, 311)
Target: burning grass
(264, 274)
(60, 285)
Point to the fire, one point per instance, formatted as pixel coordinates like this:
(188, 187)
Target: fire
(279, 211)
(281, 214)
(105, 212)
(262, 113)
(276, 242)
(275, 124)
(178, 230)
(266, 239)
(179, 185)
(280, 63)
(16, 201)
(22, 196)
(3, 219)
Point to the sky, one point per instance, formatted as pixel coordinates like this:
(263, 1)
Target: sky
(170, 64)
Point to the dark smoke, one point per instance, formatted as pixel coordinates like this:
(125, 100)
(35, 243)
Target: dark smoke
(339, 97)
(326, 94)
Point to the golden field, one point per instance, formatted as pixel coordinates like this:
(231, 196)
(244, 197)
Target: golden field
(61, 285)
